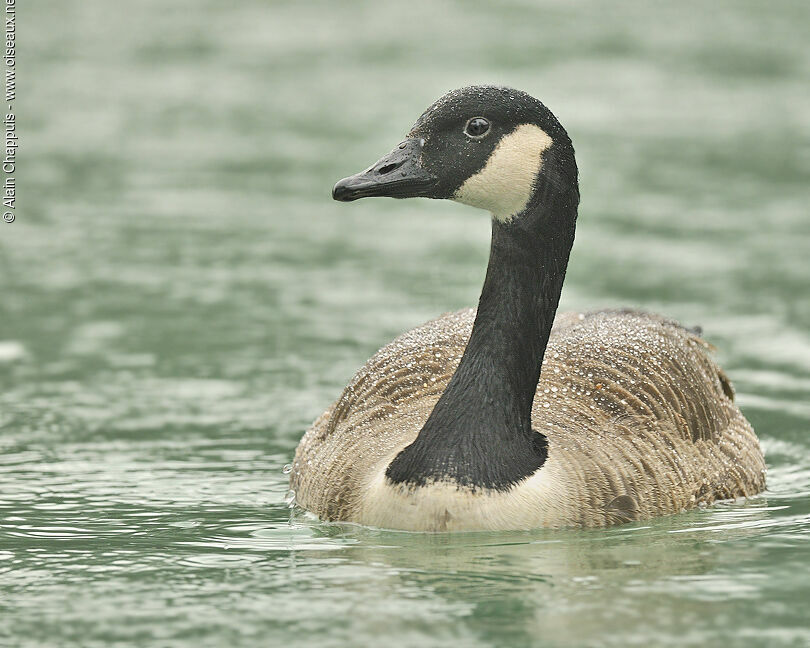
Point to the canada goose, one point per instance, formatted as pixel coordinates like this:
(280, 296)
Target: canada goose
(447, 427)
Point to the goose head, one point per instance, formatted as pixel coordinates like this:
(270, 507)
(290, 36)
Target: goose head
(495, 148)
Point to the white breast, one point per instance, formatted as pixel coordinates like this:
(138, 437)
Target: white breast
(539, 501)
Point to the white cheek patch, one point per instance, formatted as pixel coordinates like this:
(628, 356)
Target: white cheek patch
(506, 183)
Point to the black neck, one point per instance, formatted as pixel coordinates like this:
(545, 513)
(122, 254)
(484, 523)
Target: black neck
(479, 433)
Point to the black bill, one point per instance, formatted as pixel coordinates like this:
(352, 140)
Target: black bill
(397, 175)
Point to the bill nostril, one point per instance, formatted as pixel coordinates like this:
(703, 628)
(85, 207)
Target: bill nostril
(388, 168)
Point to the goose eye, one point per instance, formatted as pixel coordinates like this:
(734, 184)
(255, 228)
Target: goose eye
(477, 127)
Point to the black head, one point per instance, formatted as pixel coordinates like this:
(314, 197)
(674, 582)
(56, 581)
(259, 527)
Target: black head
(485, 146)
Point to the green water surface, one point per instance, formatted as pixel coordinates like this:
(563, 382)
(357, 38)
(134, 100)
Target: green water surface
(180, 297)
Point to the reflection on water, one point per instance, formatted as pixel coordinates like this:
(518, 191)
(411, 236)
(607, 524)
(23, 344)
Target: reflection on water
(168, 555)
(180, 298)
